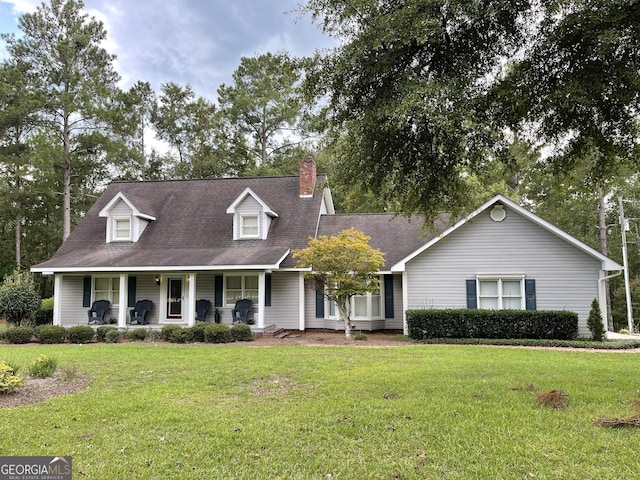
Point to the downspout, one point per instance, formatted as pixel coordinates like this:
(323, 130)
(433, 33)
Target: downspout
(601, 294)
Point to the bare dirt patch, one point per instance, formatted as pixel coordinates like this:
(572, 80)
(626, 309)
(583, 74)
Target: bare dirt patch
(37, 390)
(331, 338)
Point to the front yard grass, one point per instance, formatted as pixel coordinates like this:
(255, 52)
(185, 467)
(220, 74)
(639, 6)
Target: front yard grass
(297, 412)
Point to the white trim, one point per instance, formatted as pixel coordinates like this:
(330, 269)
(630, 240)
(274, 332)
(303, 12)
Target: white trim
(190, 301)
(122, 299)
(240, 233)
(247, 191)
(120, 196)
(57, 301)
(302, 302)
(405, 302)
(606, 262)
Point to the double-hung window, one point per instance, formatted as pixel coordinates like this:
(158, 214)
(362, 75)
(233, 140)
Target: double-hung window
(107, 288)
(501, 293)
(241, 286)
(249, 226)
(122, 229)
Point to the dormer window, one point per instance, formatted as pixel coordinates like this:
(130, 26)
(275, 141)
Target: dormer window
(126, 219)
(252, 217)
(122, 229)
(249, 226)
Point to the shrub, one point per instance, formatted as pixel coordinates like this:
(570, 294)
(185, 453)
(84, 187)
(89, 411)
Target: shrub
(103, 330)
(594, 322)
(43, 367)
(80, 334)
(217, 333)
(44, 315)
(198, 331)
(360, 336)
(137, 335)
(181, 335)
(468, 323)
(112, 336)
(165, 332)
(241, 332)
(50, 334)
(9, 381)
(18, 302)
(19, 335)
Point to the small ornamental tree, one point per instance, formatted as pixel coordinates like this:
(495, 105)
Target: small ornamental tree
(342, 266)
(595, 323)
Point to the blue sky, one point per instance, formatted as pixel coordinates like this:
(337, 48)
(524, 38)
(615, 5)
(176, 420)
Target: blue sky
(199, 42)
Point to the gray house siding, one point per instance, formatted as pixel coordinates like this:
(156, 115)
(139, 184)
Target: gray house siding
(146, 289)
(395, 323)
(566, 277)
(285, 301)
(71, 309)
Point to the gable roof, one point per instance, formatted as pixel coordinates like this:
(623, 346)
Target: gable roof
(607, 263)
(395, 236)
(140, 207)
(250, 193)
(192, 229)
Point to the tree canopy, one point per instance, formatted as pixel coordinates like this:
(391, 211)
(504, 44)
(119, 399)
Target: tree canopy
(421, 93)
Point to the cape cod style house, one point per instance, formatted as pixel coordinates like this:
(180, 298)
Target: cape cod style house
(221, 240)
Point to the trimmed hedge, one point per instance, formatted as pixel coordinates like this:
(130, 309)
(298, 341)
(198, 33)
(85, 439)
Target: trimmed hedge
(103, 331)
(167, 331)
(80, 334)
(51, 334)
(241, 332)
(19, 335)
(217, 333)
(467, 323)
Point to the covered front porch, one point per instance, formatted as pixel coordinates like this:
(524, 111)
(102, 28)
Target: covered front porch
(173, 296)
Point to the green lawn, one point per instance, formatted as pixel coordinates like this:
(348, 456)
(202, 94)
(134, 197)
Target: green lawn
(296, 412)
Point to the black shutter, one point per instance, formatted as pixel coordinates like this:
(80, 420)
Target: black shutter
(319, 304)
(218, 290)
(86, 292)
(267, 290)
(131, 292)
(472, 297)
(530, 293)
(388, 296)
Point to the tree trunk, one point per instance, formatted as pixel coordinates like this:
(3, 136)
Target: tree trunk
(602, 229)
(344, 310)
(66, 179)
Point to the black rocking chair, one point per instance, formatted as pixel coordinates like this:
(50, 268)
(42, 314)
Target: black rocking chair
(202, 308)
(98, 311)
(241, 311)
(139, 313)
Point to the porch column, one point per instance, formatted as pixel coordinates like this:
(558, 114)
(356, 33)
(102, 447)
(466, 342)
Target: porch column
(405, 302)
(122, 300)
(302, 301)
(261, 298)
(57, 304)
(191, 300)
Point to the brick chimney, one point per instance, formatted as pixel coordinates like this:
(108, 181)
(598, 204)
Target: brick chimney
(307, 176)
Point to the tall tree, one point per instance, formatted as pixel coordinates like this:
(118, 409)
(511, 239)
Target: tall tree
(61, 46)
(577, 86)
(405, 85)
(18, 105)
(265, 105)
(424, 89)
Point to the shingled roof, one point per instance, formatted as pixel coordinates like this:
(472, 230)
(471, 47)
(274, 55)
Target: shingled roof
(192, 228)
(395, 236)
